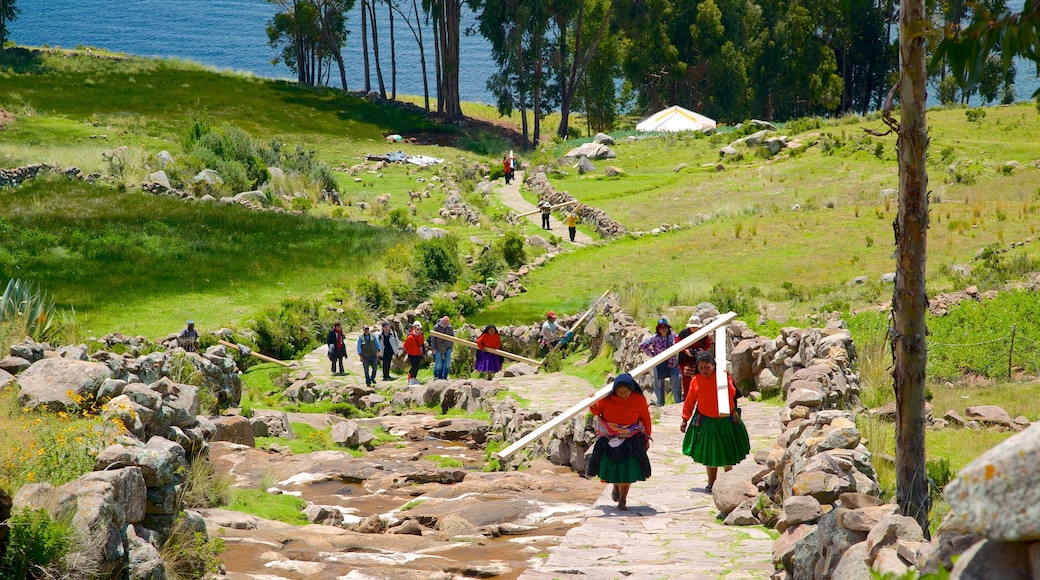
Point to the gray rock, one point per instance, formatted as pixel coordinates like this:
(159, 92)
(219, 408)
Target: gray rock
(592, 151)
(854, 500)
(160, 178)
(271, 424)
(129, 492)
(990, 559)
(585, 166)
(854, 564)
(603, 139)
(734, 487)
(889, 564)
(800, 509)
(409, 527)
(350, 434)
(323, 515)
(255, 197)
(208, 176)
(812, 398)
(48, 383)
(865, 518)
(888, 278)
(891, 529)
(142, 557)
(613, 171)
(989, 414)
(164, 158)
(859, 280)
(6, 378)
(518, 370)
(728, 150)
(1006, 475)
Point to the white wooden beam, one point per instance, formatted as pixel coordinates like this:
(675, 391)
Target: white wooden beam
(719, 322)
(721, 376)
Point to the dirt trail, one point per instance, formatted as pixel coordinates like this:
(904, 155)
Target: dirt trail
(510, 196)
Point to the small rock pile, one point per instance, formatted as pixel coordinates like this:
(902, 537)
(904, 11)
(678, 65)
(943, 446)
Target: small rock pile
(940, 304)
(605, 225)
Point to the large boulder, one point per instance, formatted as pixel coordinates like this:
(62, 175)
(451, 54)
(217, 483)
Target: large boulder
(235, 429)
(60, 384)
(998, 494)
(254, 197)
(733, 487)
(592, 151)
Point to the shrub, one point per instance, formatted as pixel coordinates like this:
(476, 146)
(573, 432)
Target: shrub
(466, 304)
(203, 487)
(437, 260)
(188, 553)
(463, 360)
(398, 218)
(374, 294)
(443, 306)
(37, 544)
(497, 171)
(743, 301)
(30, 310)
(489, 264)
(300, 203)
(975, 115)
(291, 329)
(512, 247)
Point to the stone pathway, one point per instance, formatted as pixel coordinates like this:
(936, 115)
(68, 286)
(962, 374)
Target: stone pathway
(670, 529)
(510, 196)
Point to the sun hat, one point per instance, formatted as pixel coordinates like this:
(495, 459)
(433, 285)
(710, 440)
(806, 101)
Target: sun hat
(417, 323)
(694, 322)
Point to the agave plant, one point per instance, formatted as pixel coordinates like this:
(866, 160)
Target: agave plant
(29, 309)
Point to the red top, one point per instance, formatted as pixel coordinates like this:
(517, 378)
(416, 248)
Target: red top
(626, 411)
(507, 165)
(413, 344)
(703, 393)
(488, 340)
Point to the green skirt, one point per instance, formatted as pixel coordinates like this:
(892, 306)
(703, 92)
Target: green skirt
(625, 471)
(717, 442)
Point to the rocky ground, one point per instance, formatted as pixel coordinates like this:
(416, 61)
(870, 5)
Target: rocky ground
(394, 514)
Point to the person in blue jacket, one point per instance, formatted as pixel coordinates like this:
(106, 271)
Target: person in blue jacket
(369, 349)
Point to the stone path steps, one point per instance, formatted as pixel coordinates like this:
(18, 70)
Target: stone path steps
(670, 529)
(510, 196)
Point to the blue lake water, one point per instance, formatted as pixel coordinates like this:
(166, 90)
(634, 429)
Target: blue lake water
(229, 34)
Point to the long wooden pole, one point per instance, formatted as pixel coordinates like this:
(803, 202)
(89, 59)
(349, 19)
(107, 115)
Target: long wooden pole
(582, 406)
(575, 326)
(721, 378)
(557, 206)
(509, 355)
(263, 357)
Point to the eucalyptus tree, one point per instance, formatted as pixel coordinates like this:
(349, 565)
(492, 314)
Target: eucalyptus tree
(581, 26)
(311, 34)
(8, 12)
(417, 33)
(446, 16)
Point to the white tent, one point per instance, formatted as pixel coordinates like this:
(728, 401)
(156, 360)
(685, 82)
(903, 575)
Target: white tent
(676, 118)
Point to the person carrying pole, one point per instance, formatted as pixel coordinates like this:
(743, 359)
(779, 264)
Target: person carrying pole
(572, 224)
(546, 209)
(550, 332)
(662, 340)
(711, 439)
(188, 339)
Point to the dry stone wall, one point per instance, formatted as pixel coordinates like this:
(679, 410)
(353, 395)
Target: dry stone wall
(605, 225)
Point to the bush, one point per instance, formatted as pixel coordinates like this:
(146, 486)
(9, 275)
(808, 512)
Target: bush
(512, 247)
(975, 115)
(466, 304)
(437, 260)
(443, 306)
(743, 301)
(36, 546)
(375, 295)
(288, 331)
(188, 553)
(398, 218)
(490, 264)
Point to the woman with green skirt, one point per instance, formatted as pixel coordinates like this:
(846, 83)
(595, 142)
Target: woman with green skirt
(623, 429)
(712, 440)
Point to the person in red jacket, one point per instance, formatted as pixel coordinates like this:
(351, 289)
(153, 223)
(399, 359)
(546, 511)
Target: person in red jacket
(619, 454)
(489, 363)
(688, 356)
(712, 440)
(414, 347)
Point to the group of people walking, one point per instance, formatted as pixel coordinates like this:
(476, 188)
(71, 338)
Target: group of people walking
(624, 425)
(372, 348)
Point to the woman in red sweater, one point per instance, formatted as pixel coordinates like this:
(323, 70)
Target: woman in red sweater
(489, 363)
(623, 429)
(711, 439)
(414, 347)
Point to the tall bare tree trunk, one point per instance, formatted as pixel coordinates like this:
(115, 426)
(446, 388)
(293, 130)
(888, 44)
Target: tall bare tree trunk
(437, 64)
(393, 53)
(451, 15)
(422, 56)
(375, 49)
(364, 44)
(910, 301)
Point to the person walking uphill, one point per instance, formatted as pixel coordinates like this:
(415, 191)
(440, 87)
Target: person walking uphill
(662, 340)
(688, 356)
(368, 349)
(546, 208)
(711, 440)
(442, 348)
(507, 167)
(337, 348)
(488, 363)
(415, 348)
(391, 346)
(571, 222)
(623, 436)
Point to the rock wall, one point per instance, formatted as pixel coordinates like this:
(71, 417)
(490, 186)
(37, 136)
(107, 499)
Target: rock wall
(128, 506)
(16, 176)
(605, 225)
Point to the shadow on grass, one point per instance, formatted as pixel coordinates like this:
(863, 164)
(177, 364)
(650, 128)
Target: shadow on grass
(21, 61)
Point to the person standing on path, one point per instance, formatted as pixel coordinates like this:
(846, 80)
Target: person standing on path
(488, 363)
(662, 340)
(337, 348)
(688, 356)
(368, 348)
(546, 208)
(572, 224)
(391, 346)
(507, 167)
(550, 332)
(711, 440)
(415, 348)
(188, 339)
(442, 348)
(623, 437)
